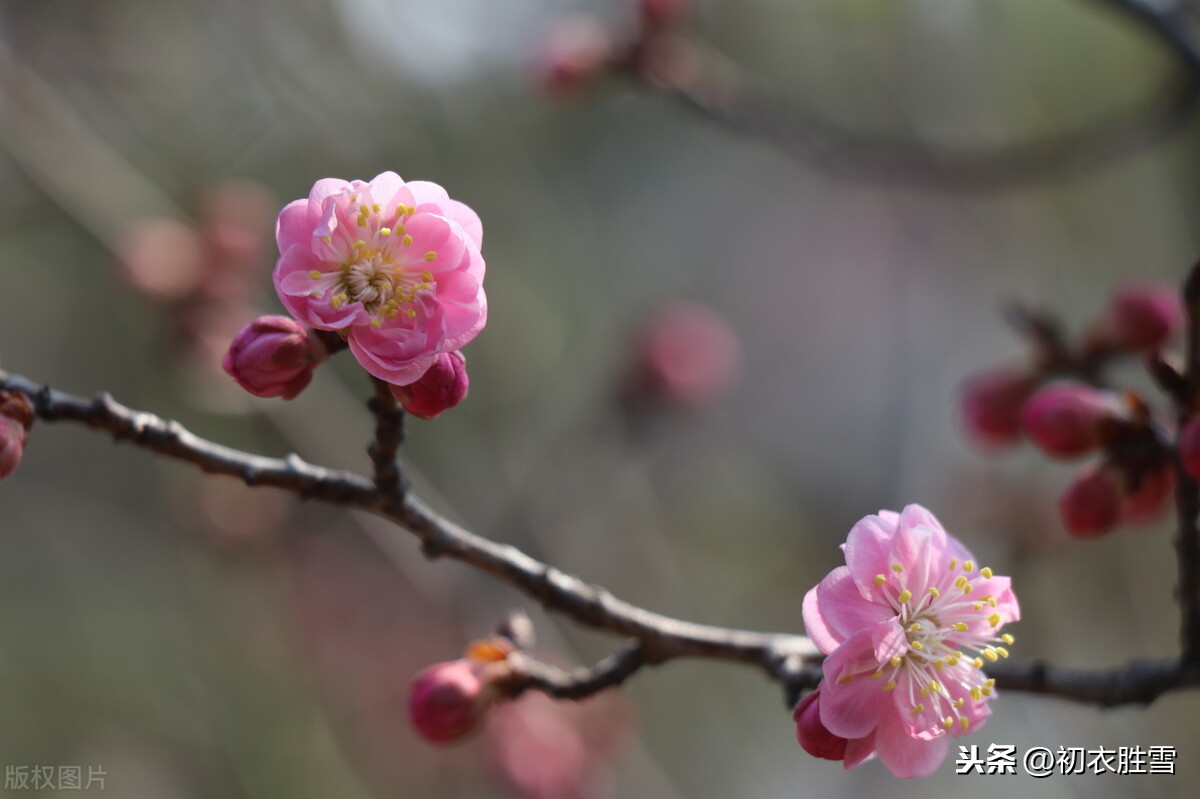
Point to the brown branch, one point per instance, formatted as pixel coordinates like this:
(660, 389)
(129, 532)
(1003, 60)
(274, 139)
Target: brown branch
(1187, 493)
(707, 84)
(389, 435)
(791, 660)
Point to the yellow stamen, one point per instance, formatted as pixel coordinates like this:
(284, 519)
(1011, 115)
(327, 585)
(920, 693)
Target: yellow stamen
(914, 627)
(947, 723)
(385, 231)
(978, 663)
(431, 256)
(990, 654)
(918, 708)
(961, 626)
(953, 564)
(939, 665)
(1008, 639)
(964, 722)
(895, 662)
(994, 619)
(315, 275)
(960, 582)
(890, 685)
(375, 323)
(968, 565)
(986, 572)
(845, 678)
(896, 567)
(934, 592)
(976, 694)
(962, 700)
(905, 595)
(1003, 652)
(917, 645)
(991, 600)
(877, 675)
(880, 579)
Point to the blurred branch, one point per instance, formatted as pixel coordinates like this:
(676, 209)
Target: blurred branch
(700, 79)
(791, 660)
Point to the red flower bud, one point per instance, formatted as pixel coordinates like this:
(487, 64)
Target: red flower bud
(687, 356)
(1144, 315)
(16, 417)
(273, 356)
(450, 700)
(1091, 504)
(812, 734)
(1064, 420)
(442, 387)
(574, 55)
(991, 405)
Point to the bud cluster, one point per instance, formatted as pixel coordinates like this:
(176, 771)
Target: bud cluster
(1057, 403)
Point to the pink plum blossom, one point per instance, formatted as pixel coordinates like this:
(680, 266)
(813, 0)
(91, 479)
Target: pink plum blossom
(442, 387)
(908, 624)
(394, 267)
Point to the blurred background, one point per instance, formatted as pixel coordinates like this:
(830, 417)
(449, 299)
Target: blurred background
(196, 638)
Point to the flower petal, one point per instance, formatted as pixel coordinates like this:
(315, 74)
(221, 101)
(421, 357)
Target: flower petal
(851, 702)
(867, 552)
(905, 756)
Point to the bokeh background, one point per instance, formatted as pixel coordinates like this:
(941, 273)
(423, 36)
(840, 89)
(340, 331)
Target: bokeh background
(196, 638)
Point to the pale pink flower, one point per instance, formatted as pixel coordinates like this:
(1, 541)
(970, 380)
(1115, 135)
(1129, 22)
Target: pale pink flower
(907, 625)
(394, 267)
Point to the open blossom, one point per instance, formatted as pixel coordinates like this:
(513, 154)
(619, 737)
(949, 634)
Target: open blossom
(394, 267)
(908, 624)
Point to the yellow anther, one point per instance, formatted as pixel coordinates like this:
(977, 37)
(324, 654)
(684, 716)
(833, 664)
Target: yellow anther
(427, 276)
(968, 588)
(398, 230)
(905, 595)
(375, 323)
(953, 564)
(877, 675)
(991, 600)
(385, 231)
(431, 256)
(1008, 639)
(358, 245)
(845, 678)
(327, 239)
(968, 565)
(410, 313)
(896, 567)
(376, 207)
(985, 691)
(964, 722)
(986, 572)
(952, 660)
(1003, 652)
(994, 619)
(935, 687)
(880, 579)
(914, 627)
(934, 592)
(890, 685)
(927, 689)
(977, 663)
(939, 665)
(947, 723)
(961, 626)
(364, 210)
(918, 708)
(962, 700)
(338, 300)
(991, 654)
(977, 605)
(988, 683)
(895, 661)
(314, 294)
(407, 241)
(976, 694)
(917, 645)
(362, 221)
(960, 582)
(315, 275)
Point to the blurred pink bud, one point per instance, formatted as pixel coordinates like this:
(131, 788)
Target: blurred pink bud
(574, 54)
(162, 258)
(814, 737)
(1144, 315)
(1091, 504)
(450, 700)
(1147, 502)
(236, 217)
(1064, 420)
(991, 405)
(1189, 447)
(273, 356)
(442, 387)
(657, 15)
(16, 417)
(688, 355)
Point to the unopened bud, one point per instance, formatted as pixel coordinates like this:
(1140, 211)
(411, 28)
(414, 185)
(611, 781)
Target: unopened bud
(273, 356)
(1144, 315)
(1091, 504)
(992, 402)
(442, 387)
(1065, 420)
(16, 417)
(574, 55)
(814, 737)
(450, 700)
(1147, 502)
(688, 355)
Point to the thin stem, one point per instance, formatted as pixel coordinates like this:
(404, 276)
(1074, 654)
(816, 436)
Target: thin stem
(389, 436)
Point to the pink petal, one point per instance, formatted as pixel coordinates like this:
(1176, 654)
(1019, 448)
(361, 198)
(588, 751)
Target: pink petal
(905, 756)
(384, 188)
(467, 219)
(293, 226)
(852, 708)
(844, 607)
(325, 188)
(426, 193)
(815, 625)
(867, 552)
(859, 751)
(889, 640)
